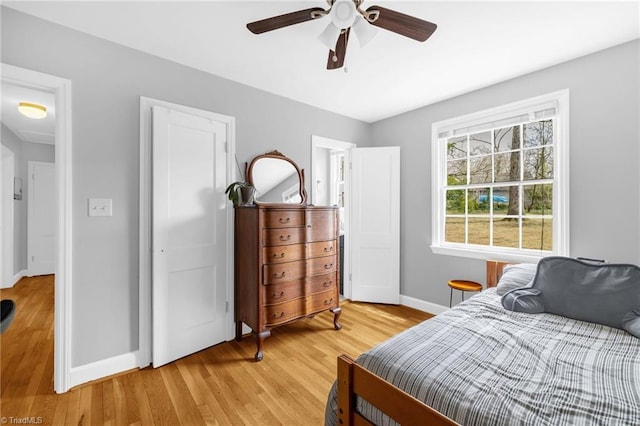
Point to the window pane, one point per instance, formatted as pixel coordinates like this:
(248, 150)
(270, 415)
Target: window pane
(538, 163)
(479, 230)
(457, 172)
(507, 139)
(480, 143)
(538, 199)
(454, 230)
(455, 201)
(506, 232)
(507, 167)
(480, 169)
(537, 234)
(478, 201)
(457, 147)
(538, 133)
(505, 200)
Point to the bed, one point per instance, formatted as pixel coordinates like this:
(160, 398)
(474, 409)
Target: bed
(479, 364)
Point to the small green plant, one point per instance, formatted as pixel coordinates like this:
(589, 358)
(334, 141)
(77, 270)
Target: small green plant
(236, 190)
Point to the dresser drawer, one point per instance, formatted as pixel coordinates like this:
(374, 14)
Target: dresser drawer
(283, 236)
(321, 301)
(283, 312)
(278, 254)
(321, 283)
(282, 272)
(322, 248)
(283, 218)
(321, 225)
(283, 292)
(321, 265)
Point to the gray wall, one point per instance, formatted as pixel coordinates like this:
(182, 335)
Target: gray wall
(23, 152)
(605, 134)
(107, 82)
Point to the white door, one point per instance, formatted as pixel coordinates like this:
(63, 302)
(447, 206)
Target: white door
(6, 221)
(375, 225)
(41, 218)
(189, 297)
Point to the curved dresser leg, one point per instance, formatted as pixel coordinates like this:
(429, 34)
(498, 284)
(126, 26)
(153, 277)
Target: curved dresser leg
(259, 341)
(336, 316)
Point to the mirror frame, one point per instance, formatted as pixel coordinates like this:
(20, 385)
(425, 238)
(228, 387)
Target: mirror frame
(275, 154)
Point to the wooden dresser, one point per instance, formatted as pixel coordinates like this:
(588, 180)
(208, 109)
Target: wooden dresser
(286, 266)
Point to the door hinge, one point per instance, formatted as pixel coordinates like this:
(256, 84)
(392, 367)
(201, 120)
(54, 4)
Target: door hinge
(226, 147)
(226, 306)
(349, 276)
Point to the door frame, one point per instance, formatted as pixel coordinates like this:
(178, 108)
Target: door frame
(320, 142)
(146, 181)
(7, 267)
(63, 169)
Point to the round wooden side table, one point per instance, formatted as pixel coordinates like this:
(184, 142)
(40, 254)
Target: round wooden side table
(462, 285)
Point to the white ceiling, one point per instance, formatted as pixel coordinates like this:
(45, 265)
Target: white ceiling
(477, 43)
(28, 129)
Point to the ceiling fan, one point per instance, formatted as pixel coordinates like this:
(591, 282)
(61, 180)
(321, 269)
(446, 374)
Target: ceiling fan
(346, 15)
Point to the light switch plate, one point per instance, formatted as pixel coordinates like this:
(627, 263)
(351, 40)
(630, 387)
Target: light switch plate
(100, 207)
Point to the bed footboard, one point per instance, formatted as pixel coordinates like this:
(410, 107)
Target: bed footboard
(354, 380)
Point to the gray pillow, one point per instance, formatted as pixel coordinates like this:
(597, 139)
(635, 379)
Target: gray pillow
(603, 293)
(515, 276)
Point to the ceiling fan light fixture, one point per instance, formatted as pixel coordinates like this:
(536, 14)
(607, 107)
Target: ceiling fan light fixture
(343, 13)
(364, 31)
(31, 110)
(329, 37)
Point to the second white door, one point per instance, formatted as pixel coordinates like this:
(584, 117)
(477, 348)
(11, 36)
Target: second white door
(189, 292)
(375, 225)
(41, 218)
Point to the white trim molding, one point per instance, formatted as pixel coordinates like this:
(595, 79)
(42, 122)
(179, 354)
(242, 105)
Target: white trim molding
(422, 305)
(103, 368)
(63, 283)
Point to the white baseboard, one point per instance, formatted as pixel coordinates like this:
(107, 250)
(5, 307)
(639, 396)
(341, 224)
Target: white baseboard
(17, 277)
(103, 368)
(422, 305)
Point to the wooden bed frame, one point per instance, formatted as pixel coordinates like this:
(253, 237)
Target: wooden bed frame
(354, 380)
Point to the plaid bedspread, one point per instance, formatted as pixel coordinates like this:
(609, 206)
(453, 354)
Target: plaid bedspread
(480, 364)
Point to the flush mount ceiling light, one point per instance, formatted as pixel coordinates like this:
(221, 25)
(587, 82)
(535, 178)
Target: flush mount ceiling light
(32, 110)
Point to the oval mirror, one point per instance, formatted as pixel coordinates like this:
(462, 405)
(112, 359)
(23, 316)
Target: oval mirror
(277, 179)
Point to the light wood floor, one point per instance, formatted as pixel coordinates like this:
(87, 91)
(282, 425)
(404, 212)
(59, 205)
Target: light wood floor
(218, 386)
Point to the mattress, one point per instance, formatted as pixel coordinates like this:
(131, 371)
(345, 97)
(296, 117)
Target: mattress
(480, 364)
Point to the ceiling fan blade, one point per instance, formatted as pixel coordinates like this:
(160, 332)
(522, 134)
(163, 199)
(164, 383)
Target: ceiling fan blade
(408, 26)
(340, 52)
(281, 21)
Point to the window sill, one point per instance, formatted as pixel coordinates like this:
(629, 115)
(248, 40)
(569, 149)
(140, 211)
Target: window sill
(478, 253)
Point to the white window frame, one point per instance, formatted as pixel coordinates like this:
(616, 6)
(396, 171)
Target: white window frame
(492, 118)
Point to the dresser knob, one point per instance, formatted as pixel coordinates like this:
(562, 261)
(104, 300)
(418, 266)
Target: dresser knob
(276, 275)
(285, 220)
(327, 284)
(330, 266)
(276, 294)
(328, 249)
(278, 256)
(328, 302)
(280, 315)
(283, 238)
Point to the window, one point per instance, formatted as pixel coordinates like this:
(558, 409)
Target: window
(500, 181)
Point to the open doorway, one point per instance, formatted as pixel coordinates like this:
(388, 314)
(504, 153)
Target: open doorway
(54, 94)
(330, 185)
